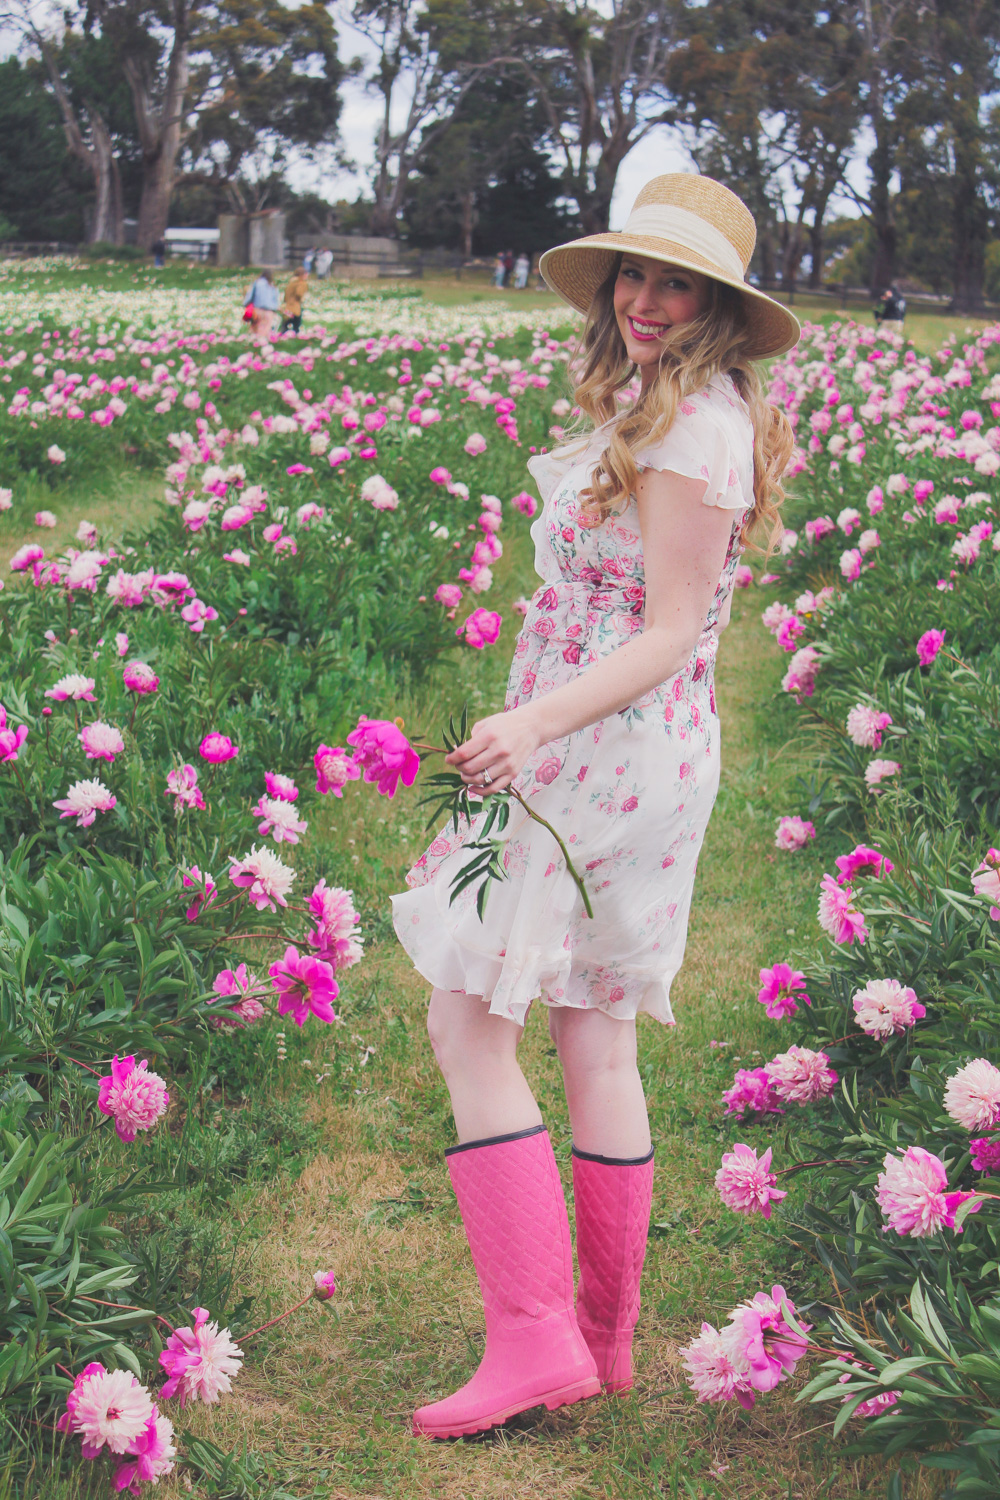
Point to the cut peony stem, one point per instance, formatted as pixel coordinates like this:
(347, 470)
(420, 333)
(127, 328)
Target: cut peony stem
(574, 876)
(286, 1314)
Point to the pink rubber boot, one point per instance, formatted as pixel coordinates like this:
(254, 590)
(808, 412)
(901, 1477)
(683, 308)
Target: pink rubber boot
(612, 1222)
(512, 1205)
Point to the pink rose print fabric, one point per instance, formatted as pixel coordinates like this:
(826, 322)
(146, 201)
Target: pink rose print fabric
(631, 795)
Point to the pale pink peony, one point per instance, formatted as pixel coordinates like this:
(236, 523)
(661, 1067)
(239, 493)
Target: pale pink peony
(84, 800)
(861, 858)
(101, 741)
(217, 748)
(152, 1455)
(929, 645)
(777, 991)
(448, 594)
(121, 643)
(336, 935)
(278, 819)
(743, 577)
(912, 1194)
(800, 679)
(106, 1408)
(334, 769)
(759, 1342)
(481, 628)
(264, 878)
(324, 1285)
(837, 914)
(865, 725)
(74, 686)
(710, 1374)
(200, 1362)
(877, 771)
(793, 833)
(800, 1076)
(475, 444)
(304, 984)
(282, 787)
(986, 881)
(182, 784)
(745, 1184)
(45, 519)
(379, 493)
(384, 754)
(245, 1008)
(136, 1097)
(886, 1008)
(205, 888)
(752, 1091)
(972, 1095)
(140, 678)
(55, 454)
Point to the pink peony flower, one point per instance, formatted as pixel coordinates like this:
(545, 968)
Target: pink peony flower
(264, 878)
(197, 614)
(282, 787)
(334, 769)
(986, 881)
(200, 1362)
(929, 645)
(710, 1374)
(384, 754)
(788, 632)
(911, 1192)
(886, 1008)
(25, 556)
(11, 740)
(448, 594)
(205, 887)
(475, 444)
(985, 1155)
(379, 493)
(246, 1008)
(324, 1285)
(336, 935)
(134, 1096)
(800, 679)
(972, 1095)
(800, 1076)
(743, 577)
(304, 984)
(73, 686)
(152, 1455)
(106, 1408)
(101, 741)
(745, 1184)
(140, 678)
(862, 858)
(278, 819)
(752, 1090)
(84, 800)
(837, 914)
(865, 725)
(777, 991)
(182, 784)
(45, 518)
(875, 1406)
(793, 833)
(440, 475)
(55, 454)
(761, 1345)
(121, 643)
(217, 748)
(480, 629)
(880, 770)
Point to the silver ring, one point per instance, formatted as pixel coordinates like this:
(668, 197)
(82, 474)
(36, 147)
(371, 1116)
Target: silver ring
(487, 779)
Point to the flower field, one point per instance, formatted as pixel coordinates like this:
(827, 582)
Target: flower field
(197, 983)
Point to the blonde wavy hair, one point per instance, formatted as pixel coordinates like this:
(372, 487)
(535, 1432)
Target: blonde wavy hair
(715, 341)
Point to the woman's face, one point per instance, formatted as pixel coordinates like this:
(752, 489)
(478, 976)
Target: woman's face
(651, 297)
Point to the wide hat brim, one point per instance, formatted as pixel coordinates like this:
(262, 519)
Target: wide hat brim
(576, 270)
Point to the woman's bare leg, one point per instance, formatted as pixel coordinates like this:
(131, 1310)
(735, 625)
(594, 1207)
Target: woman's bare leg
(477, 1054)
(607, 1107)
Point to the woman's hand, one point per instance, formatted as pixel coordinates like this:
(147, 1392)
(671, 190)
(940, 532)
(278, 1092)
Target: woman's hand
(499, 746)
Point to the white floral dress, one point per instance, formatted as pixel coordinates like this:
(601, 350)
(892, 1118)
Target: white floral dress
(631, 795)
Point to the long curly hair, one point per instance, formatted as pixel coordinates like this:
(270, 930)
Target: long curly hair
(714, 342)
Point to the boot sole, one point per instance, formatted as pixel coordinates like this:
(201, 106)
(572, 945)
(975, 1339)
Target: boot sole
(580, 1390)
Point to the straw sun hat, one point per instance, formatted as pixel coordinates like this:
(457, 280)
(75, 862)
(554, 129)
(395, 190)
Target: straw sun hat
(690, 221)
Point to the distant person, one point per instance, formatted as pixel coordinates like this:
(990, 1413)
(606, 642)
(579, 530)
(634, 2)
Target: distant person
(323, 262)
(499, 271)
(508, 266)
(291, 308)
(890, 310)
(159, 253)
(521, 268)
(308, 259)
(262, 304)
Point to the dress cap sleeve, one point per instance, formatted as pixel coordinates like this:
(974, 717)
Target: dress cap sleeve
(549, 469)
(711, 439)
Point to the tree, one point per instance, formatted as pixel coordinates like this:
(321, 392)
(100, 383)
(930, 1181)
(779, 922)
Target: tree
(41, 191)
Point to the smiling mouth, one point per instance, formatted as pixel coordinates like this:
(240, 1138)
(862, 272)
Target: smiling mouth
(647, 333)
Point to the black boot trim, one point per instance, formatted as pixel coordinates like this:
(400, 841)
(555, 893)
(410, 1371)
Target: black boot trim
(496, 1140)
(615, 1161)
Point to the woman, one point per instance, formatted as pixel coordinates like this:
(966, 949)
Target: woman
(262, 300)
(610, 730)
(291, 308)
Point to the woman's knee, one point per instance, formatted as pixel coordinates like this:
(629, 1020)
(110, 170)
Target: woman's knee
(463, 1033)
(591, 1042)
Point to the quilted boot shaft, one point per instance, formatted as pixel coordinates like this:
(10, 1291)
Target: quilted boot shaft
(512, 1205)
(613, 1200)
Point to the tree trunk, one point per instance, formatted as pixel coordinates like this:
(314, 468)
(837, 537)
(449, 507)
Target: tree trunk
(99, 157)
(161, 131)
(468, 221)
(816, 254)
(880, 164)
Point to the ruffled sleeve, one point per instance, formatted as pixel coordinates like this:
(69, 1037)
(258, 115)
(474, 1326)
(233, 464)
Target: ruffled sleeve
(711, 439)
(548, 470)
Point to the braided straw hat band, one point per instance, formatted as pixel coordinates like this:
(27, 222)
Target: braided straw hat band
(686, 220)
